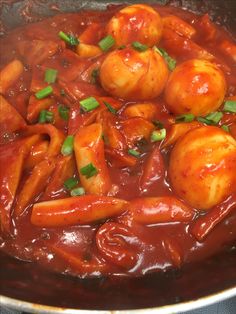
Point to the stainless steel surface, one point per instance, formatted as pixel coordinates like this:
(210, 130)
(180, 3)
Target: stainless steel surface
(169, 309)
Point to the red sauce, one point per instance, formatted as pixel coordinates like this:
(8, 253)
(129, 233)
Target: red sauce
(73, 249)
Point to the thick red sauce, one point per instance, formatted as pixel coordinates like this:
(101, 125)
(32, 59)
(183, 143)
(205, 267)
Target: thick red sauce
(73, 249)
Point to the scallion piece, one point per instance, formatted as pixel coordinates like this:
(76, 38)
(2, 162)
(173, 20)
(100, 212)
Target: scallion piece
(110, 108)
(215, 117)
(63, 112)
(89, 171)
(134, 153)
(189, 117)
(77, 191)
(64, 36)
(212, 118)
(45, 116)
(204, 120)
(157, 50)
(139, 47)
(89, 104)
(69, 39)
(170, 61)
(68, 145)
(230, 106)
(49, 116)
(70, 183)
(42, 116)
(94, 75)
(121, 47)
(106, 43)
(44, 92)
(50, 76)
(158, 135)
(225, 128)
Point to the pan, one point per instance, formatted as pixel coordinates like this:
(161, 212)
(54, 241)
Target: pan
(31, 288)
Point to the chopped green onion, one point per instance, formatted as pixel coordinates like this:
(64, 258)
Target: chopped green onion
(204, 120)
(89, 171)
(230, 106)
(133, 152)
(158, 124)
(63, 112)
(44, 92)
(121, 47)
(69, 39)
(212, 118)
(189, 117)
(94, 76)
(89, 104)
(215, 117)
(106, 43)
(50, 76)
(68, 146)
(77, 191)
(49, 116)
(139, 47)
(110, 108)
(70, 183)
(42, 116)
(157, 50)
(170, 61)
(158, 135)
(45, 116)
(225, 128)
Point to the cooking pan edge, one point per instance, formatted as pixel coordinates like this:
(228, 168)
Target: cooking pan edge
(168, 309)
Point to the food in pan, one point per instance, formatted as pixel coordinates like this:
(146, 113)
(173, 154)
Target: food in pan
(118, 140)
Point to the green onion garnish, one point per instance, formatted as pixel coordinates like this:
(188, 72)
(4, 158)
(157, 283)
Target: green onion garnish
(50, 76)
(139, 47)
(204, 120)
(189, 117)
(63, 112)
(77, 191)
(110, 108)
(45, 116)
(230, 106)
(212, 118)
(215, 117)
(69, 39)
(158, 124)
(42, 116)
(134, 153)
(94, 76)
(89, 171)
(44, 92)
(170, 61)
(68, 145)
(158, 135)
(89, 104)
(121, 47)
(106, 43)
(70, 183)
(225, 128)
